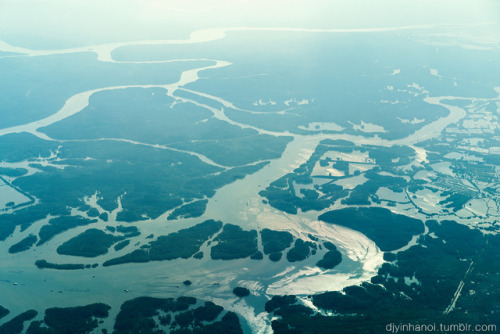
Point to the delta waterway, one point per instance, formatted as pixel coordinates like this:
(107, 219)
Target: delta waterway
(236, 203)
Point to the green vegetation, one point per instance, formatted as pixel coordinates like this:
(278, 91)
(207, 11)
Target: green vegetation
(157, 180)
(454, 200)
(44, 264)
(130, 216)
(207, 312)
(24, 244)
(362, 193)
(234, 243)
(93, 213)
(388, 230)
(281, 194)
(54, 78)
(331, 259)
(275, 257)
(184, 126)
(182, 244)
(300, 250)
(129, 231)
(190, 210)
(139, 316)
(184, 319)
(137, 256)
(81, 319)
(16, 324)
(23, 146)
(389, 257)
(128, 147)
(229, 324)
(438, 264)
(279, 301)
(280, 199)
(61, 224)
(165, 320)
(239, 151)
(13, 172)
(275, 241)
(387, 157)
(104, 216)
(241, 292)
(23, 217)
(287, 77)
(136, 315)
(257, 256)
(91, 243)
(3, 311)
(342, 166)
(121, 245)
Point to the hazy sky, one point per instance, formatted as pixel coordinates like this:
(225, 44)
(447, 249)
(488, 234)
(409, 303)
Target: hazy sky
(50, 23)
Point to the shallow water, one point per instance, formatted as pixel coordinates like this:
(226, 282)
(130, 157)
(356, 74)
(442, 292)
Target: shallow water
(237, 203)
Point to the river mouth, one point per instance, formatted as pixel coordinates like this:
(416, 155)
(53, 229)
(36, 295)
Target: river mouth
(239, 203)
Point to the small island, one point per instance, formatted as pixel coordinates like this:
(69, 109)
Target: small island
(241, 292)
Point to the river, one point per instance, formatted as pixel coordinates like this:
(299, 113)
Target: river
(236, 203)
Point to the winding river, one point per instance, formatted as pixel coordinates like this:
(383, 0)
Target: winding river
(236, 203)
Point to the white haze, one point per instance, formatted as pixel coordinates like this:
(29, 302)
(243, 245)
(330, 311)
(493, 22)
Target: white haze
(63, 23)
